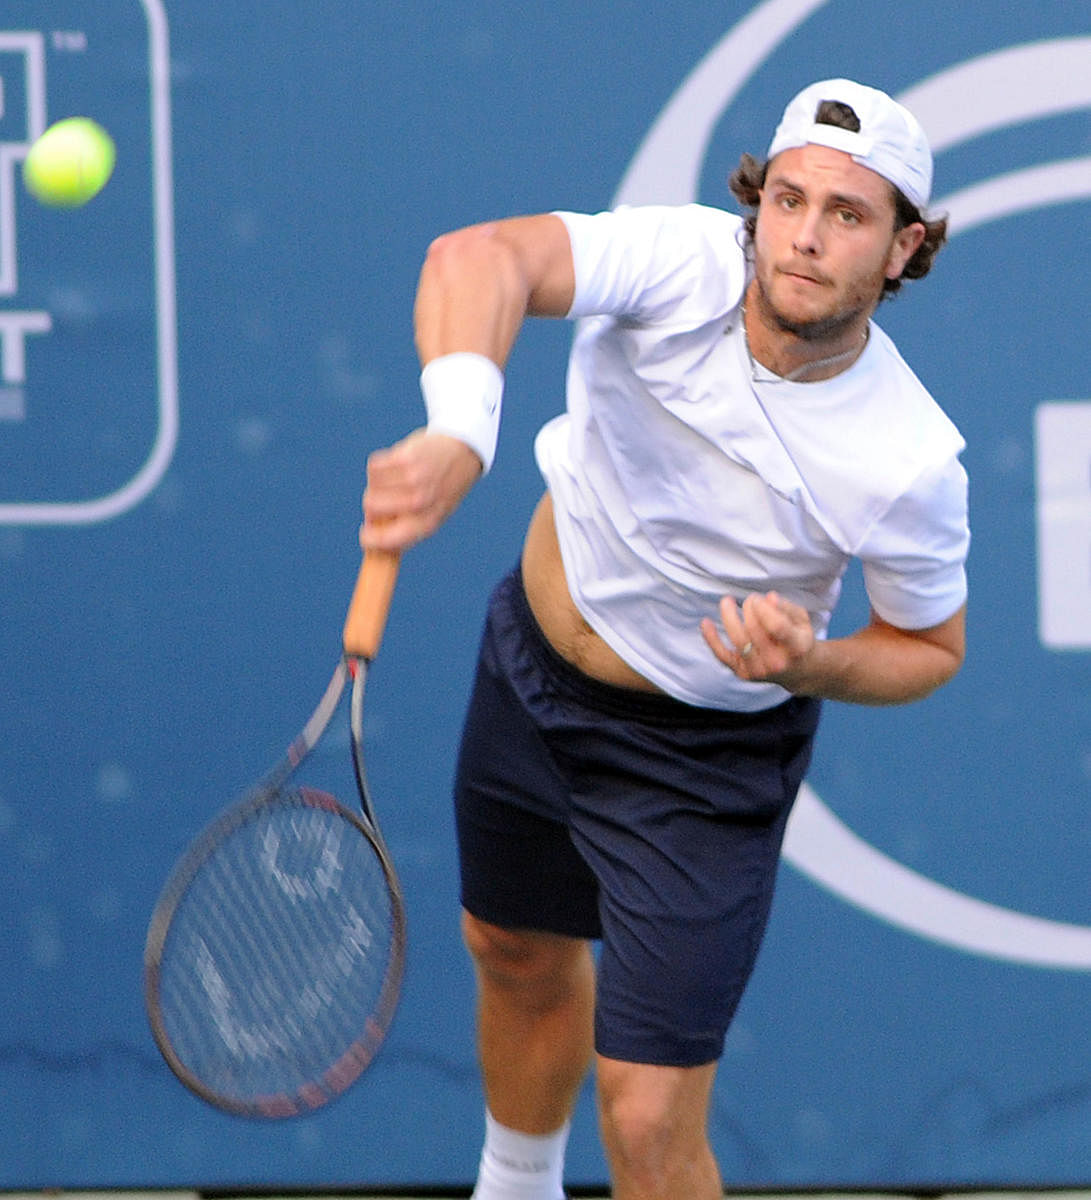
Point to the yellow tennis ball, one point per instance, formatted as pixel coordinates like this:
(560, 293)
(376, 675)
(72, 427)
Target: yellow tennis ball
(70, 163)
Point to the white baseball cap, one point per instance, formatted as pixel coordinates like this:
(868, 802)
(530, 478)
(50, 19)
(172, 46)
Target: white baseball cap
(891, 141)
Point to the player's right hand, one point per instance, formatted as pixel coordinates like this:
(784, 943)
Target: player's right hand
(413, 487)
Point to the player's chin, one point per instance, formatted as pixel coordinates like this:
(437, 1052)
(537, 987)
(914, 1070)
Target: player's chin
(795, 305)
(816, 320)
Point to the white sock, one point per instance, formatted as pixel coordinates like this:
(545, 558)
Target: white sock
(520, 1166)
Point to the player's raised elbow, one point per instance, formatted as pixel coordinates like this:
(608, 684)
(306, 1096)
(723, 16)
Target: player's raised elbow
(527, 260)
(478, 258)
(471, 250)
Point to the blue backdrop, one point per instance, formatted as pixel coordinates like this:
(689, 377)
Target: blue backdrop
(192, 371)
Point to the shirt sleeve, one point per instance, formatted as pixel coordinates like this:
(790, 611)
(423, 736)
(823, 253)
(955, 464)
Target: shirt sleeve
(652, 263)
(914, 557)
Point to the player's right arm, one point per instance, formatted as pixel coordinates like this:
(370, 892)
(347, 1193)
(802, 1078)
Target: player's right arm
(476, 287)
(478, 284)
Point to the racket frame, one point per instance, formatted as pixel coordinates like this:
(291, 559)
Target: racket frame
(361, 637)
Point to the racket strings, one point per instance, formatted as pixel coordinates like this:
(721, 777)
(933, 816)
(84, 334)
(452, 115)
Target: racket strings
(279, 956)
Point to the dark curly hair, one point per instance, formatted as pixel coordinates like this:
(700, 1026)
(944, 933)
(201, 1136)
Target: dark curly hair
(748, 179)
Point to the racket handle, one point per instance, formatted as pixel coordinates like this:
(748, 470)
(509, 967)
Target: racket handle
(370, 603)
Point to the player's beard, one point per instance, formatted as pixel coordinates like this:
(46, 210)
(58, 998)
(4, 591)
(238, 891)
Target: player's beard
(826, 328)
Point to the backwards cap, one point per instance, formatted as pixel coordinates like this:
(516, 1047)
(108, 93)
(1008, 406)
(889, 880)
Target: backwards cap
(890, 142)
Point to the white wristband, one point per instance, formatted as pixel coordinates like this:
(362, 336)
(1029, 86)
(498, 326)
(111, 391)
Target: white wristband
(462, 394)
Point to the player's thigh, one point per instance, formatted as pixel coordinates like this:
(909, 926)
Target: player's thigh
(518, 866)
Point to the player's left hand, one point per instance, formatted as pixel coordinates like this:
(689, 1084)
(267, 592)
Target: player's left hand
(768, 638)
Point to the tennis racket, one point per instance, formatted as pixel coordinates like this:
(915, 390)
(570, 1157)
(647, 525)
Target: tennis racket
(274, 956)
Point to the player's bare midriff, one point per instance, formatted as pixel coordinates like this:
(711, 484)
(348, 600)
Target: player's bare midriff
(553, 608)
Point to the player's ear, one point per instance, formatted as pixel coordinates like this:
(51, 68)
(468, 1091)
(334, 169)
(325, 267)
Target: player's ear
(907, 241)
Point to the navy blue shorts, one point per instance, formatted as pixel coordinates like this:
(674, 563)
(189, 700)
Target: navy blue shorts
(600, 812)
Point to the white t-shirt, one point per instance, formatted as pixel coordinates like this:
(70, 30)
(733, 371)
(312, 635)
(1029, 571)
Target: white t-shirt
(678, 478)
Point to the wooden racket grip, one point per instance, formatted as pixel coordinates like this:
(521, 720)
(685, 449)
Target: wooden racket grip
(370, 603)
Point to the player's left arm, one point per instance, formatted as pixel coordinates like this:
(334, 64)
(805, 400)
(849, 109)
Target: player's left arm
(878, 664)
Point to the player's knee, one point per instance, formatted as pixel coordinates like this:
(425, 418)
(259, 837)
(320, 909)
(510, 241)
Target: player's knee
(521, 960)
(641, 1145)
(651, 1128)
(638, 1133)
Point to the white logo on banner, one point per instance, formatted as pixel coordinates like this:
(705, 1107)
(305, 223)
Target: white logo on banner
(23, 54)
(970, 99)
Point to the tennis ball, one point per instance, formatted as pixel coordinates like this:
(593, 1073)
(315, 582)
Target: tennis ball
(70, 163)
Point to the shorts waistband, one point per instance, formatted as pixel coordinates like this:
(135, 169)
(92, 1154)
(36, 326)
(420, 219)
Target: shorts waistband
(615, 701)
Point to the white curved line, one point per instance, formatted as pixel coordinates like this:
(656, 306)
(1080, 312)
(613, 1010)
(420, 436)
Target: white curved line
(824, 848)
(965, 101)
(666, 167)
(1002, 88)
(1018, 192)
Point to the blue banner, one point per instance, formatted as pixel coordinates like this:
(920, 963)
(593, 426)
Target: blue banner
(193, 369)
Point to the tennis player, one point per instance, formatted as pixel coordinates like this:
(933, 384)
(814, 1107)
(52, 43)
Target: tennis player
(737, 429)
